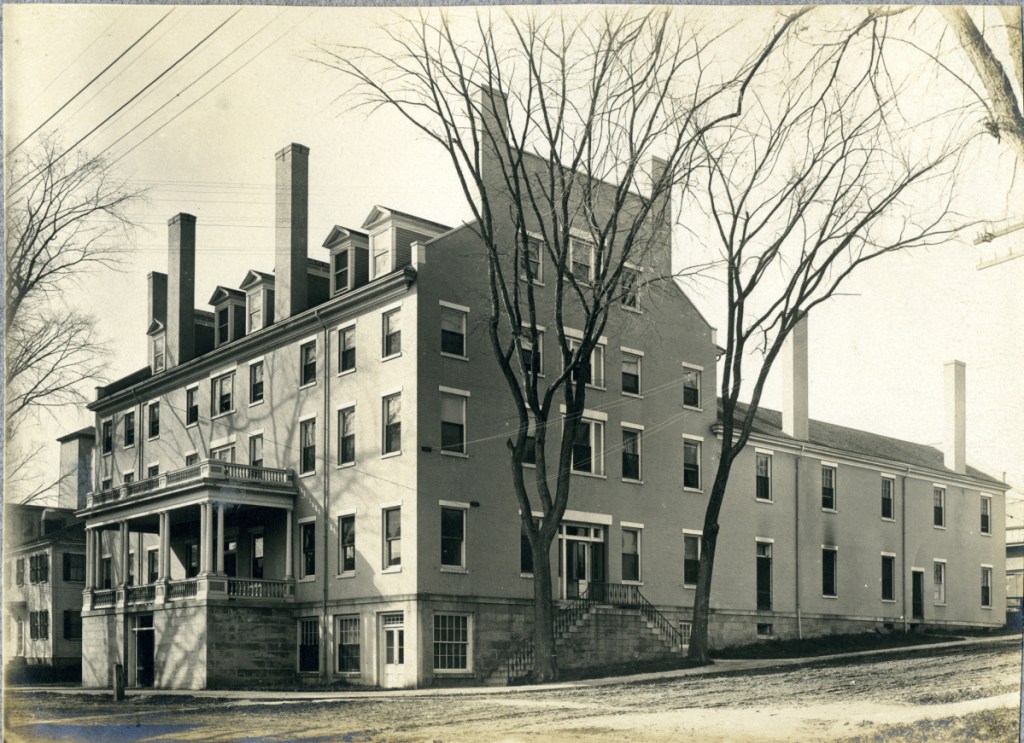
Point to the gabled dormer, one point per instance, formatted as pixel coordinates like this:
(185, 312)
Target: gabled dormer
(157, 346)
(228, 315)
(350, 259)
(391, 235)
(259, 300)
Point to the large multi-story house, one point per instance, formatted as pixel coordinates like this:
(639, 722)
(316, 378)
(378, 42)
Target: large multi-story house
(44, 572)
(311, 479)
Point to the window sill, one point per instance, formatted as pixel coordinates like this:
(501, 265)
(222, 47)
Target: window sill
(690, 586)
(696, 408)
(192, 425)
(986, 608)
(528, 576)
(307, 579)
(349, 674)
(390, 454)
(985, 533)
(890, 520)
(307, 385)
(829, 597)
(938, 604)
(346, 575)
(634, 395)
(393, 569)
(454, 356)
(535, 282)
(304, 475)
(829, 510)
(108, 453)
(456, 454)
(152, 438)
(222, 415)
(392, 356)
(454, 672)
(530, 465)
(693, 490)
(254, 403)
(634, 310)
(937, 526)
(346, 372)
(769, 501)
(126, 447)
(888, 601)
(631, 481)
(588, 474)
(632, 582)
(454, 569)
(345, 465)
(601, 388)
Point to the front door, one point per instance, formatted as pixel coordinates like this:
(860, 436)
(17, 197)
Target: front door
(145, 646)
(917, 603)
(393, 650)
(581, 560)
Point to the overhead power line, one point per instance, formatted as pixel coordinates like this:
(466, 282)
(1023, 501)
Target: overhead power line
(81, 90)
(30, 177)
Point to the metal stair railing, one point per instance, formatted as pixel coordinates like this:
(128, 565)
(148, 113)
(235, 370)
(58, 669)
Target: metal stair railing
(520, 661)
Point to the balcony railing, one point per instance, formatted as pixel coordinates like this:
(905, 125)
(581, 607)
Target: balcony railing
(254, 588)
(183, 589)
(207, 470)
(104, 597)
(140, 594)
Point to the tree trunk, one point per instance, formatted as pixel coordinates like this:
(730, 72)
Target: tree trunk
(699, 645)
(545, 665)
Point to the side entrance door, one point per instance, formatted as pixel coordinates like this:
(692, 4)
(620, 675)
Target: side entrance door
(917, 600)
(393, 650)
(145, 647)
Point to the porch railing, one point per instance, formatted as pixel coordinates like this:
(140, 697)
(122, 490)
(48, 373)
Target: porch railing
(140, 594)
(208, 469)
(256, 588)
(183, 589)
(104, 597)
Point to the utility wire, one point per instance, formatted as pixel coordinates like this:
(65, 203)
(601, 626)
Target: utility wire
(28, 178)
(98, 76)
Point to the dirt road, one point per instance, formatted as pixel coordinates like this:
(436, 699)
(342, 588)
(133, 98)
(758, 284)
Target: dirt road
(954, 694)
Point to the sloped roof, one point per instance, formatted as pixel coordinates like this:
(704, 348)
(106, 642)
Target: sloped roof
(225, 292)
(769, 423)
(382, 212)
(83, 433)
(254, 277)
(339, 234)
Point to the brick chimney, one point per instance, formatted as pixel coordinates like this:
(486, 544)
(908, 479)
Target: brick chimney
(954, 443)
(157, 298)
(794, 385)
(75, 468)
(291, 232)
(181, 289)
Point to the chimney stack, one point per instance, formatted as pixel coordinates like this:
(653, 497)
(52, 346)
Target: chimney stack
(794, 368)
(75, 468)
(291, 232)
(181, 289)
(158, 298)
(954, 443)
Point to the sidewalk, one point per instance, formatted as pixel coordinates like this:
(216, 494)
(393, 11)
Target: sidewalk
(717, 668)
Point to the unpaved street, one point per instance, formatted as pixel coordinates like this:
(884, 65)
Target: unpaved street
(966, 693)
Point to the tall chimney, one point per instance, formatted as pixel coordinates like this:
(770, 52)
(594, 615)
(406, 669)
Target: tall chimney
(157, 298)
(75, 468)
(291, 232)
(794, 368)
(954, 443)
(181, 289)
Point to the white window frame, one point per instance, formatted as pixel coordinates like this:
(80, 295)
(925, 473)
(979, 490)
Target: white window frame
(985, 499)
(639, 356)
(468, 670)
(248, 310)
(625, 526)
(598, 421)
(341, 347)
(574, 338)
(216, 447)
(538, 279)
(835, 487)
(463, 396)
(464, 313)
(341, 433)
(985, 568)
(699, 442)
(338, 634)
(384, 423)
(939, 490)
(688, 367)
(149, 420)
(302, 576)
(385, 543)
(159, 352)
(252, 364)
(881, 592)
(758, 453)
(527, 345)
(939, 600)
(464, 508)
(347, 254)
(892, 496)
(192, 388)
(124, 429)
(385, 316)
(573, 240)
(103, 443)
(307, 473)
(387, 235)
(639, 431)
(342, 573)
(699, 536)
(215, 411)
(637, 272)
(771, 560)
(315, 621)
(251, 436)
(302, 345)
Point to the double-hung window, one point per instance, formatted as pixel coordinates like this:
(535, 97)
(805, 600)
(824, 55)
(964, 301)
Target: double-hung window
(340, 271)
(222, 395)
(939, 581)
(347, 349)
(588, 447)
(631, 554)
(392, 333)
(691, 558)
(392, 537)
(307, 438)
(152, 565)
(223, 453)
(154, 420)
(631, 452)
(533, 356)
(74, 568)
(581, 259)
(108, 436)
(453, 421)
(255, 382)
(347, 435)
(888, 577)
(453, 330)
(307, 363)
(691, 463)
(986, 514)
(348, 644)
(39, 568)
(453, 537)
(531, 267)
(986, 587)
(129, 430)
(158, 354)
(592, 371)
(629, 283)
(347, 543)
(72, 624)
(938, 506)
(309, 645)
(691, 386)
(307, 543)
(764, 574)
(828, 487)
(630, 373)
(191, 406)
(829, 571)
(255, 310)
(763, 466)
(20, 571)
(888, 498)
(256, 450)
(392, 410)
(451, 642)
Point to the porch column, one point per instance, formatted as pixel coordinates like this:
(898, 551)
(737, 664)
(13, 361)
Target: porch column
(204, 542)
(220, 537)
(288, 547)
(90, 562)
(161, 555)
(97, 558)
(124, 553)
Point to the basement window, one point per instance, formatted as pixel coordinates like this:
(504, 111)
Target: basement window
(765, 629)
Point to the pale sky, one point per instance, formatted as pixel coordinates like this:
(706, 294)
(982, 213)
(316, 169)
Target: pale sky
(876, 354)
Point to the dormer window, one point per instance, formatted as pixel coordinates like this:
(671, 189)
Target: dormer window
(255, 311)
(341, 271)
(229, 315)
(223, 326)
(381, 245)
(158, 354)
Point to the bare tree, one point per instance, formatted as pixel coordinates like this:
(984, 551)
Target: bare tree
(550, 124)
(64, 215)
(820, 174)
